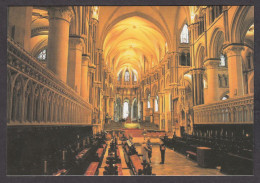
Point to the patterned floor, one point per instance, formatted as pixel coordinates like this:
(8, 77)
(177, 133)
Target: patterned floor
(176, 164)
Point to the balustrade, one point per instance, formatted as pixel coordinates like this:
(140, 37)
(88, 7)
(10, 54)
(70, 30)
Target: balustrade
(238, 110)
(36, 96)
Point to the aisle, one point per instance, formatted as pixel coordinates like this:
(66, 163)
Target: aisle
(176, 164)
(125, 169)
(102, 167)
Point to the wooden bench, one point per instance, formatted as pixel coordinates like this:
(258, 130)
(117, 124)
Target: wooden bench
(60, 172)
(190, 153)
(92, 169)
(119, 169)
(136, 164)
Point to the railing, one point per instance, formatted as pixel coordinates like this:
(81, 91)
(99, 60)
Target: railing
(36, 96)
(127, 85)
(238, 110)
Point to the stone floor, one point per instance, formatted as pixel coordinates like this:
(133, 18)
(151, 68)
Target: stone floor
(176, 164)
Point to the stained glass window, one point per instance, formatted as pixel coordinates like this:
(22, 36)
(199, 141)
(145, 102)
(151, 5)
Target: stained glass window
(222, 60)
(42, 55)
(127, 76)
(185, 34)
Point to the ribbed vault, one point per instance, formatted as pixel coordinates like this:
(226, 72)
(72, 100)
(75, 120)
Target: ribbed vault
(131, 41)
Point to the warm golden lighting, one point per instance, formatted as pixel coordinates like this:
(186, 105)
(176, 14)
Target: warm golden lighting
(95, 12)
(130, 39)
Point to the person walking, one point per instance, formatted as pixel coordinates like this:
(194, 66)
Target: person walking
(162, 149)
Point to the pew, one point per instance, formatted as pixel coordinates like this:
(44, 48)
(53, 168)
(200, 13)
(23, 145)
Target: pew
(60, 172)
(82, 153)
(191, 154)
(136, 163)
(119, 169)
(92, 169)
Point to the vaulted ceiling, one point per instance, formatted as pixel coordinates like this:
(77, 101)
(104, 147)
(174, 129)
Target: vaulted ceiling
(129, 35)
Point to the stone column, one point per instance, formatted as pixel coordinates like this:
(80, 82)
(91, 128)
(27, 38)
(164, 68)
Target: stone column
(19, 25)
(74, 63)
(235, 71)
(107, 104)
(144, 108)
(167, 110)
(197, 86)
(162, 113)
(112, 108)
(84, 77)
(58, 40)
(152, 109)
(212, 73)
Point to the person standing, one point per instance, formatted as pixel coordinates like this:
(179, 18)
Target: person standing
(162, 149)
(149, 150)
(144, 152)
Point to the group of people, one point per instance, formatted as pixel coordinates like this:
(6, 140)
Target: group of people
(147, 151)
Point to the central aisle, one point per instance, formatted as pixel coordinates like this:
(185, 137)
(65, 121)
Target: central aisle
(125, 169)
(176, 164)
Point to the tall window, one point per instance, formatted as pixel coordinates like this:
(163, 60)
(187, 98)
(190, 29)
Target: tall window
(222, 60)
(125, 110)
(156, 105)
(42, 56)
(185, 59)
(135, 78)
(148, 102)
(185, 34)
(127, 76)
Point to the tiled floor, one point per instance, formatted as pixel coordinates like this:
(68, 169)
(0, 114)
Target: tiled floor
(176, 164)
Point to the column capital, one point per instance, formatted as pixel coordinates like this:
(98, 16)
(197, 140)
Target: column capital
(233, 49)
(211, 63)
(64, 13)
(197, 71)
(75, 42)
(85, 59)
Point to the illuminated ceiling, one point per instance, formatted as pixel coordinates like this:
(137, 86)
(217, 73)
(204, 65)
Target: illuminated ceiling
(128, 35)
(132, 39)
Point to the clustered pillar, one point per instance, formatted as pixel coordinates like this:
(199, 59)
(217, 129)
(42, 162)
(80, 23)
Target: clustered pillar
(59, 21)
(235, 71)
(74, 63)
(197, 86)
(212, 73)
(84, 77)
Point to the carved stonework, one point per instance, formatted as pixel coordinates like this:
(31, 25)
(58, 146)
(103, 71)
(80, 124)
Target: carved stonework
(24, 68)
(75, 43)
(85, 60)
(233, 50)
(212, 63)
(65, 13)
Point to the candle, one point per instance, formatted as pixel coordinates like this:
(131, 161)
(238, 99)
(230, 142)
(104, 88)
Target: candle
(63, 155)
(84, 142)
(45, 167)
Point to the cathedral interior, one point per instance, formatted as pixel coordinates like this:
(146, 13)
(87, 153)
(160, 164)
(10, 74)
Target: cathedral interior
(88, 85)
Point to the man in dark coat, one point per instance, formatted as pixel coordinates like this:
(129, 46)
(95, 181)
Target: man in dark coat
(162, 149)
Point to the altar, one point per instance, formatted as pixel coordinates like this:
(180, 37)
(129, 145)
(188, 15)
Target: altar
(132, 125)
